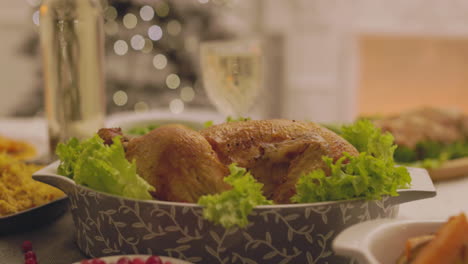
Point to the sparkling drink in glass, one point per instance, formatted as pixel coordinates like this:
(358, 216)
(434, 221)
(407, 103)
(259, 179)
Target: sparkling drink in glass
(232, 74)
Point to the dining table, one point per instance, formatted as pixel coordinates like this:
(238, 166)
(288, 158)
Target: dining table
(53, 242)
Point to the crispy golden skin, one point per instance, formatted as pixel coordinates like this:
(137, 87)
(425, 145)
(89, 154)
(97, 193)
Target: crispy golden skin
(183, 164)
(277, 152)
(178, 162)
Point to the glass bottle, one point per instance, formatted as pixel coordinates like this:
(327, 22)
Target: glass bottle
(72, 45)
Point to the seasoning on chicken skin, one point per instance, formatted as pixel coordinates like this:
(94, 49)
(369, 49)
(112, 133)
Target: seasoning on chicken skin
(183, 164)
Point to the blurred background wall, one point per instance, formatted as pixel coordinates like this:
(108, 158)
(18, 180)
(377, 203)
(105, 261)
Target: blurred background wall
(328, 60)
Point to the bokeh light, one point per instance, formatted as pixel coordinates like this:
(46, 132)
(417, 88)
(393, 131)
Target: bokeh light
(173, 81)
(111, 27)
(141, 107)
(159, 61)
(130, 21)
(174, 27)
(187, 94)
(120, 47)
(110, 13)
(137, 42)
(155, 32)
(162, 9)
(148, 46)
(146, 13)
(120, 98)
(176, 106)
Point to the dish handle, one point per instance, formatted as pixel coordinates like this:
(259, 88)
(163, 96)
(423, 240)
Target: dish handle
(421, 187)
(49, 176)
(354, 244)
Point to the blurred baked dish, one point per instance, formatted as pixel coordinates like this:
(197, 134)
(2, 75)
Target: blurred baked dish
(18, 191)
(436, 139)
(449, 245)
(16, 148)
(392, 241)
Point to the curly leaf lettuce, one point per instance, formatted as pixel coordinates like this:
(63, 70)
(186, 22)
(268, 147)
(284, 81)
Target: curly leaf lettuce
(369, 175)
(431, 154)
(231, 208)
(366, 137)
(102, 167)
(68, 154)
(229, 119)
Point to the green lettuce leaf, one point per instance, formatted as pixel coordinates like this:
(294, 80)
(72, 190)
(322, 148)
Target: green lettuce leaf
(368, 138)
(102, 167)
(208, 124)
(239, 119)
(431, 154)
(142, 130)
(229, 119)
(231, 208)
(68, 154)
(370, 175)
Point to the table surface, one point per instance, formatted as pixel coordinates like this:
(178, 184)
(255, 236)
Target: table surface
(54, 242)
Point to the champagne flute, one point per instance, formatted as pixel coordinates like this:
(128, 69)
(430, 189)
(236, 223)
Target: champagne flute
(232, 74)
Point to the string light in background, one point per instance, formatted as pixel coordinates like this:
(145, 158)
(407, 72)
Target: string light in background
(146, 13)
(130, 21)
(120, 47)
(187, 94)
(145, 44)
(172, 81)
(110, 13)
(111, 27)
(120, 98)
(137, 42)
(141, 107)
(160, 61)
(155, 32)
(148, 47)
(174, 27)
(176, 106)
(162, 9)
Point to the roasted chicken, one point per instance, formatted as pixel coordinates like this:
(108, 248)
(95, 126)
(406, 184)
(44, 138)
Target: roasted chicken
(184, 164)
(426, 124)
(276, 152)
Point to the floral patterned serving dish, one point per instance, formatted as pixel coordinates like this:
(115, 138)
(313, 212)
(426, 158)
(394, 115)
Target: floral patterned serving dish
(291, 233)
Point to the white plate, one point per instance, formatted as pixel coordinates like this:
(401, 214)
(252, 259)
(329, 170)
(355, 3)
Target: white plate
(380, 241)
(143, 257)
(128, 120)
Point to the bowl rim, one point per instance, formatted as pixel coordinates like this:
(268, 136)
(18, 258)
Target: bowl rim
(195, 205)
(50, 171)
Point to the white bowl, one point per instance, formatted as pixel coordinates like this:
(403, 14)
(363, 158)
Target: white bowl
(195, 118)
(381, 241)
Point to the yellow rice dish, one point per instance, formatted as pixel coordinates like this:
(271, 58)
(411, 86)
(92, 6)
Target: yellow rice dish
(16, 148)
(18, 191)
